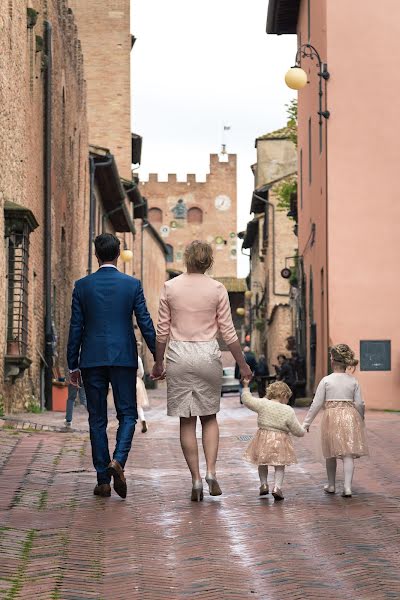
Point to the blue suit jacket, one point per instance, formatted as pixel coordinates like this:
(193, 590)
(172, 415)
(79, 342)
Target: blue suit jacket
(101, 329)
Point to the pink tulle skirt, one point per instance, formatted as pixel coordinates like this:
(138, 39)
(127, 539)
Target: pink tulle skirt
(274, 448)
(342, 431)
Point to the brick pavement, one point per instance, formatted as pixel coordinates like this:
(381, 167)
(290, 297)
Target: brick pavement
(58, 541)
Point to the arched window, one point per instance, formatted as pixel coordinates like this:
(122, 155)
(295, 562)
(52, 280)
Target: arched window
(170, 253)
(155, 215)
(195, 216)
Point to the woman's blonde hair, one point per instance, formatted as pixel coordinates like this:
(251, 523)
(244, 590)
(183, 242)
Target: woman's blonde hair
(277, 390)
(199, 256)
(343, 355)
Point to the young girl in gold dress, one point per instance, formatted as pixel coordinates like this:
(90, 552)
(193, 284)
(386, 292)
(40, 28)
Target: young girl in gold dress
(272, 445)
(342, 426)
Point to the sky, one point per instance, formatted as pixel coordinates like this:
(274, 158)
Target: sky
(197, 66)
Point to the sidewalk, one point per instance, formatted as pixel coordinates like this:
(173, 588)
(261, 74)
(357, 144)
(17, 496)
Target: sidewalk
(58, 541)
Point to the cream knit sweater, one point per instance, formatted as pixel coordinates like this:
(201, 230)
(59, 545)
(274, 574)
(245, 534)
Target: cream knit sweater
(273, 415)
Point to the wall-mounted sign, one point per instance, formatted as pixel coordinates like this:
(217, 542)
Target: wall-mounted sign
(180, 209)
(222, 202)
(375, 355)
(164, 231)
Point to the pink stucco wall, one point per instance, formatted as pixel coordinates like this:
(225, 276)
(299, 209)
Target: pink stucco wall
(353, 197)
(363, 195)
(312, 196)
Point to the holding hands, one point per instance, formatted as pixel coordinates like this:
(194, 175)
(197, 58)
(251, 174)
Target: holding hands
(158, 373)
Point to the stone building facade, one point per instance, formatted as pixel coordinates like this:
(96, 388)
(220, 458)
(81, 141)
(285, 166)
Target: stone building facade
(26, 64)
(273, 245)
(182, 211)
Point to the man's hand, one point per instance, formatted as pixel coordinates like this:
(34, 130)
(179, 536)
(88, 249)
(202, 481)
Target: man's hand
(158, 373)
(75, 378)
(246, 372)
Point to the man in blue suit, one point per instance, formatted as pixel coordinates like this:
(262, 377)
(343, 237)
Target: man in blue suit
(102, 349)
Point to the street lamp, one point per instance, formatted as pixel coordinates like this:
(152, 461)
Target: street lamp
(126, 255)
(296, 78)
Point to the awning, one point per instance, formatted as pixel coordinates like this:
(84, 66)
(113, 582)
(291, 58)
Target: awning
(233, 284)
(113, 197)
(257, 204)
(140, 208)
(282, 16)
(251, 234)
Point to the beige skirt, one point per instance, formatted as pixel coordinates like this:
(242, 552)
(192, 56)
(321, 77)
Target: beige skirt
(342, 431)
(194, 378)
(274, 448)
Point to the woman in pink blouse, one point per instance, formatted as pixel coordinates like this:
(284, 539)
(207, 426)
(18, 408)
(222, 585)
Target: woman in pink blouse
(193, 309)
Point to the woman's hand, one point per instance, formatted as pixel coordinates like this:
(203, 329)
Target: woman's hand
(158, 373)
(246, 372)
(306, 427)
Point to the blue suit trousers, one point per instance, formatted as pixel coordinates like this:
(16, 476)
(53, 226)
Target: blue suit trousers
(123, 381)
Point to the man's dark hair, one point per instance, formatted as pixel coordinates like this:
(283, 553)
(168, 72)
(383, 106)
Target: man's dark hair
(107, 247)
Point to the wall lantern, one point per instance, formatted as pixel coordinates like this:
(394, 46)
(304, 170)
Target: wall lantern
(240, 312)
(126, 255)
(248, 294)
(296, 78)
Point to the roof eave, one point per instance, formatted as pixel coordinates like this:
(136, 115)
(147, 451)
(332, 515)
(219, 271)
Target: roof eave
(282, 17)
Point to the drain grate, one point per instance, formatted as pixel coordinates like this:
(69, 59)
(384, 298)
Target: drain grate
(245, 438)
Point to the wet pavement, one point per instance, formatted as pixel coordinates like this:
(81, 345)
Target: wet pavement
(58, 541)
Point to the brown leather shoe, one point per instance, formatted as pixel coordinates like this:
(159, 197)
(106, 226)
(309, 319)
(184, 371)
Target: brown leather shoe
(102, 489)
(115, 470)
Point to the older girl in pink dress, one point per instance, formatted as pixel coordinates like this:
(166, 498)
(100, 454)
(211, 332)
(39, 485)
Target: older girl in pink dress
(194, 308)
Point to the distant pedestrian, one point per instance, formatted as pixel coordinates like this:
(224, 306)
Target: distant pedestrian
(73, 393)
(141, 395)
(272, 445)
(342, 426)
(262, 374)
(285, 373)
(299, 368)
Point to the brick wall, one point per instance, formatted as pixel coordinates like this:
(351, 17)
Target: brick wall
(21, 174)
(104, 30)
(216, 198)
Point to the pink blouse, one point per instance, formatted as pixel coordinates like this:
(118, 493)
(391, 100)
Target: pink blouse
(193, 308)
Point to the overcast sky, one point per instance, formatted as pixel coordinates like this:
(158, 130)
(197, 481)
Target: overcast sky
(197, 66)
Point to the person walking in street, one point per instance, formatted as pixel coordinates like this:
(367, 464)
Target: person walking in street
(73, 393)
(272, 445)
(261, 374)
(342, 426)
(102, 350)
(141, 394)
(193, 309)
(285, 373)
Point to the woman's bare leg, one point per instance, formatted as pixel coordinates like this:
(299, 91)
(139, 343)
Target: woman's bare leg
(210, 439)
(189, 445)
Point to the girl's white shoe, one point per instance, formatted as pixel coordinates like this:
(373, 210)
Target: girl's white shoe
(329, 489)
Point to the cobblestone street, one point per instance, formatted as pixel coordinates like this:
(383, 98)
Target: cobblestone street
(58, 541)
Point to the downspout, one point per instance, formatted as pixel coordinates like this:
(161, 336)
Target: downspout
(93, 165)
(48, 350)
(270, 205)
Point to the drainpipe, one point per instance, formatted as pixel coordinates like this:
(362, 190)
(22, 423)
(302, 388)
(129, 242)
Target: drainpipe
(92, 206)
(48, 350)
(270, 205)
(144, 225)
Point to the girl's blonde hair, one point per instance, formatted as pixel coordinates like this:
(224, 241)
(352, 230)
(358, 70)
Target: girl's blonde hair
(343, 356)
(277, 390)
(199, 256)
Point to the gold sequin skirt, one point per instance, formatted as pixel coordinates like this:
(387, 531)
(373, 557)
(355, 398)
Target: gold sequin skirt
(274, 448)
(194, 378)
(342, 431)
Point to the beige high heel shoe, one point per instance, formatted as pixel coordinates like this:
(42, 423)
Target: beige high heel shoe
(264, 489)
(213, 485)
(197, 492)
